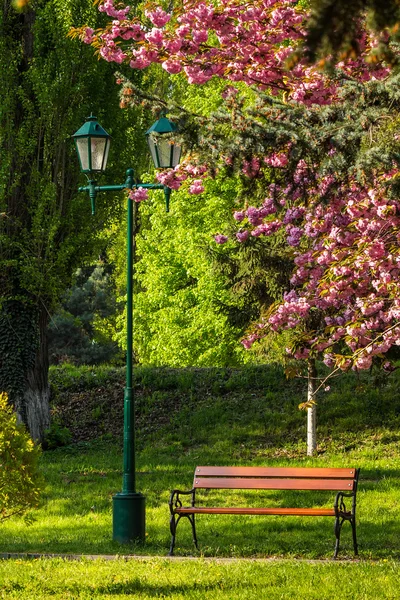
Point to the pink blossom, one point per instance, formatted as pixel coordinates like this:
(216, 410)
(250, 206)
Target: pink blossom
(249, 340)
(88, 39)
(112, 54)
(364, 362)
(196, 187)
(200, 36)
(155, 36)
(158, 16)
(173, 46)
(276, 160)
(220, 239)
(139, 194)
(242, 236)
(172, 66)
(239, 215)
(108, 8)
(170, 178)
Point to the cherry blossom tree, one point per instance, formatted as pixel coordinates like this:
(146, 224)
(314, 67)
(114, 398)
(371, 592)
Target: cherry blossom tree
(318, 149)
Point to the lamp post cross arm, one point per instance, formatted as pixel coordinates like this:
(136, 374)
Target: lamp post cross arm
(129, 184)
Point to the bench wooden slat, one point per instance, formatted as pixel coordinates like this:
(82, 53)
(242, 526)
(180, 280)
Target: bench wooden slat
(275, 472)
(237, 483)
(322, 512)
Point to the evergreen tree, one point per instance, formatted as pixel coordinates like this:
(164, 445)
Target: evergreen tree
(333, 27)
(73, 334)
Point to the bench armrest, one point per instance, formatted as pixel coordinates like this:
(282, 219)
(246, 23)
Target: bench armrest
(175, 501)
(340, 506)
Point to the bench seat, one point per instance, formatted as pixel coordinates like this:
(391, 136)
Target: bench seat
(198, 510)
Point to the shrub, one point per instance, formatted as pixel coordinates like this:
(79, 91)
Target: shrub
(20, 482)
(56, 436)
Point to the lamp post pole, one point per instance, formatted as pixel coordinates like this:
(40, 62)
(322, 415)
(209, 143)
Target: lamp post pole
(128, 505)
(92, 144)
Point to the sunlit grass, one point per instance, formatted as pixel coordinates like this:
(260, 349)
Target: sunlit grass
(194, 580)
(75, 516)
(224, 417)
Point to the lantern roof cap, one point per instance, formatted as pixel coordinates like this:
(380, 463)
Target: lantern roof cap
(91, 128)
(163, 125)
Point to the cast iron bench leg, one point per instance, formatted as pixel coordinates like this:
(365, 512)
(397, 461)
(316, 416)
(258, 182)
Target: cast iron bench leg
(338, 527)
(353, 526)
(172, 526)
(192, 522)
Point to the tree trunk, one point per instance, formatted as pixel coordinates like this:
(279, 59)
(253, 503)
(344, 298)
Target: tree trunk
(24, 364)
(34, 405)
(312, 410)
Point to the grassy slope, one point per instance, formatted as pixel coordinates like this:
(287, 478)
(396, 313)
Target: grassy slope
(191, 417)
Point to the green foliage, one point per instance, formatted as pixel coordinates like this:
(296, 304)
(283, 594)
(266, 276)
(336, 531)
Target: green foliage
(50, 83)
(56, 435)
(182, 304)
(18, 343)
(73, 334)
(333, 26)
(20, 483)
(194, 299)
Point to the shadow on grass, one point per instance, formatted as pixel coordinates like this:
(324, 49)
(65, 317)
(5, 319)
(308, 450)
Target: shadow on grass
(300, 537)
(136, 586)
(219, 536)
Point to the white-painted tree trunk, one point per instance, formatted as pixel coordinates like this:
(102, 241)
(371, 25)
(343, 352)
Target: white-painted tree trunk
(312, 410)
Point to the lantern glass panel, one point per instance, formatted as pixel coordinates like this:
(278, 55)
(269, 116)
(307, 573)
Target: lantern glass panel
(152, 146)
(164, 148)
(108, 143)
(99, 150)
(82, 145)
(176, 155)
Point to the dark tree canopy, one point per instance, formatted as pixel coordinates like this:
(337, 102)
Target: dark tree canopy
(334, 25)
(50, 83)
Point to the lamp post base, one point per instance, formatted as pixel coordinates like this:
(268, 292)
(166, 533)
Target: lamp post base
(129, 518)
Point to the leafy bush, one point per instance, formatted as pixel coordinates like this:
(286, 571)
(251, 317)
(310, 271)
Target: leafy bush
(20, 482)
(56, 435)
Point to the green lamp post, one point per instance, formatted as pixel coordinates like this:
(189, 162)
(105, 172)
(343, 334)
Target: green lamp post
(92, 145)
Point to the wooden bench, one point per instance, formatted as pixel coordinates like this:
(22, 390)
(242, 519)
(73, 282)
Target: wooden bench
(343, 481)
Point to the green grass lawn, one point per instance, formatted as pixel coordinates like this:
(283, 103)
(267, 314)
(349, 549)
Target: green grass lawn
(196, 580)
(186, 418)
(75, 516)
(225, 417)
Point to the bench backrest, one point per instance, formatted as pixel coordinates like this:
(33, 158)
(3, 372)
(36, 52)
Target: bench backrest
(275, 478)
